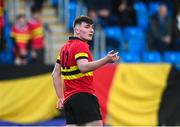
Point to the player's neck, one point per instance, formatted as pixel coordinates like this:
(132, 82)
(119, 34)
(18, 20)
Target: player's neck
(80, 38)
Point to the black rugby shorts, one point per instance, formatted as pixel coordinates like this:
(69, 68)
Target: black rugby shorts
(82, 108)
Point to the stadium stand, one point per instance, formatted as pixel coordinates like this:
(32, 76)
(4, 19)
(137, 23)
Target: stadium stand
(136, 45)
(115, 33)
(129, 39)
(172, 57)
(153, 8)
(130, 57)
(135, 38)
(151, 57)
(142, 14)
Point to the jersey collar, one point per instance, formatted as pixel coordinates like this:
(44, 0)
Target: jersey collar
(75, 38)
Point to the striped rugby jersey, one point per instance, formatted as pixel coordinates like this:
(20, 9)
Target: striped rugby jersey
(74, 80)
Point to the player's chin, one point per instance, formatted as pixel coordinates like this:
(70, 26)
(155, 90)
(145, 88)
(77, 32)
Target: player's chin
(89, 38)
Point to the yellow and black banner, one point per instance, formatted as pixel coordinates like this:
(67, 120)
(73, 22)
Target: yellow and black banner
(139, 94)
(129, 94)
(27, 94)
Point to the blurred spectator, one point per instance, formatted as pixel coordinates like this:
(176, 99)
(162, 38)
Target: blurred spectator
(176, 31)
(38, 4)
(21, 36)
(2, 43)
(176, 5)
(125, 12)
(92, 7)
(37, 35)
(1, 14)
(160, 30)
(105, 15)
(107, 19)
(101, 11)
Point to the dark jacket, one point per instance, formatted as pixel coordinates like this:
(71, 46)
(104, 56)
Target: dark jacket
(157, 31)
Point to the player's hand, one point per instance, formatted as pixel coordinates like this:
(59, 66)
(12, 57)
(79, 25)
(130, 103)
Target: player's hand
(60, 104)
(112, 56)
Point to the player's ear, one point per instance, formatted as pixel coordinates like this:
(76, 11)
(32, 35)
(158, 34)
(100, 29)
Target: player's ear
(76, 29)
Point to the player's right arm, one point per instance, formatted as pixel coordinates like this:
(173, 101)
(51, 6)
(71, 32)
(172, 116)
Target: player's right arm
(58, 85)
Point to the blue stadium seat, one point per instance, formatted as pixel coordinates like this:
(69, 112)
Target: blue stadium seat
(130, 57)
(140, 7)
(136, 40)
(172, 57)
(75, 9)
(134, 33)
(115, 33)
(141, 14)
(151, 57)
(6, 57)
(136, 45)
(72, 14)
(143, 20)
(153, 8)
(6, 34)
(54, 2)
(6, 17)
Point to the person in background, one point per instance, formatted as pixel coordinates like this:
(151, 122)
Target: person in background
(176, 5)
(37, 36)
(21, 37)
(176, 31)
(92, 8)
(101, 12)
(75, 66)
(125, 12)
(2, 43)
(161, 30)
(38, 4)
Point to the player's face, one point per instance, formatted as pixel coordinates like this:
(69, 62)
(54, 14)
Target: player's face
(22, 21)
(86, 31)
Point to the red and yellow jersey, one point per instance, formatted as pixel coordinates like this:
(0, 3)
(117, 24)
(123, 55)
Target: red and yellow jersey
(21, 35)
(74, 80)
(1, 13)
(37, 33)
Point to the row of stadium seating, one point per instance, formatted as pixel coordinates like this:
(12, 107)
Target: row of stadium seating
(143, 11)
(6, 56)
(151, 57)
(132, 37)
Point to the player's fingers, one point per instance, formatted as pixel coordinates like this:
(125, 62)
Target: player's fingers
(111, 52)
(115, 54)
(57, 104)
(117, 58)
(61, 106)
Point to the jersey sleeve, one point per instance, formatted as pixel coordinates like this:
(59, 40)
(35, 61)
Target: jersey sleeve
(81, 51)
(58, 59)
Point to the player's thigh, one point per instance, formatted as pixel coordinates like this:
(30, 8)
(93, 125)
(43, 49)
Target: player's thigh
(86, 108)
(69, 115)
